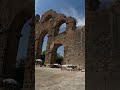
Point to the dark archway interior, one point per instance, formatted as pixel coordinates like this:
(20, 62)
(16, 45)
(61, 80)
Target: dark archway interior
(60, 54)
(23, 41)
(45, 40)
(22, 52)
(14, 34)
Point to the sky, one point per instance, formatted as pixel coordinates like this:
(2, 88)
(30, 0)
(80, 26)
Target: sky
(74, 8)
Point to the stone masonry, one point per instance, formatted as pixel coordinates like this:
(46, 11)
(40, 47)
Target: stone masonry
(72, 39)
(102, 46)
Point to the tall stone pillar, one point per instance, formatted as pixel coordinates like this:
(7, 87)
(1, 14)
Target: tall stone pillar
(3, 44)
(48, 55)
(49, 52)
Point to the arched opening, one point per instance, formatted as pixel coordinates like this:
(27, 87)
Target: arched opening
(23, 42)
(22, 51)
(14, 34)
(44, 47)
(57, 54)
(62, 28)
(60, 54)
(48, 15)
(40, 44)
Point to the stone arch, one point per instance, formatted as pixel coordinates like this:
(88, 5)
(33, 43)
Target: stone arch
(59, 20)
(40, 43)
(48, 15)
(55, 39)
(14, 34)
(53, 53)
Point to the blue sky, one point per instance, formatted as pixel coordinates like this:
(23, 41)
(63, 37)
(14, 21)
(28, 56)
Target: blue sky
(74, 8)
(61, 48)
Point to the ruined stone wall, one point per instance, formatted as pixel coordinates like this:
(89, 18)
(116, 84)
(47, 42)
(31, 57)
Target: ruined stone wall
(13, 15)
(101, 40)
(72, 39)
(74, 49)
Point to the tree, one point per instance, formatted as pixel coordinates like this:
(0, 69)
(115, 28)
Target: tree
(59, 58)
(43, 56)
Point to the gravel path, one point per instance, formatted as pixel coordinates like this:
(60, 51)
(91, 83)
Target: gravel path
(55, 79)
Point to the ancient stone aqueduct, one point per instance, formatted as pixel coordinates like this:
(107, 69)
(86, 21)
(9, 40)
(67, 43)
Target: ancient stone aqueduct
(16, 14)
(102, 44)
(72, 39)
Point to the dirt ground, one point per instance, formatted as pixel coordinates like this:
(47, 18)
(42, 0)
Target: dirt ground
(55, 79)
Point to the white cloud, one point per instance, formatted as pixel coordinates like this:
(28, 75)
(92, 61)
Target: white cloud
(37, 5)
(74, 13)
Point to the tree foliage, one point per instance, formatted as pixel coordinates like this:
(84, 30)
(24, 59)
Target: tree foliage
(43, 56)
(59, 58)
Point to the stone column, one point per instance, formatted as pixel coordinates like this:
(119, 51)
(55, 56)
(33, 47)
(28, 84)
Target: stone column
(54, 54)
(3, 44)
(11, 55)
(65, 60)
(48, 56)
